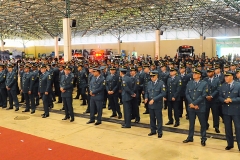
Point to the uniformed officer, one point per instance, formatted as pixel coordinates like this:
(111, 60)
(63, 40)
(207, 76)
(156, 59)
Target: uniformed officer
(196, 93)
(146, 79)
(112, 87)
(212, 98)
(127, 94)
(185, 79)
(141, 80)
(90, 76)
(27, 89)
(44, 89)
(35, 79)
(66, 88)
(154, 96)
(96, 88)
(229, 96)
(56, 80)
(135, 100)
(174, 84)
(20, 74)
(61, 73)
(163, 76)
(3, 91)
(82, 78)
(11, 86)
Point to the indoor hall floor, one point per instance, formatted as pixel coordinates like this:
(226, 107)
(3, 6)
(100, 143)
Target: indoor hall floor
(109, 138)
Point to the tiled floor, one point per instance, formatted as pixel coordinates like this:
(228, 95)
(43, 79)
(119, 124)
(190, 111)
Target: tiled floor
(110, 138)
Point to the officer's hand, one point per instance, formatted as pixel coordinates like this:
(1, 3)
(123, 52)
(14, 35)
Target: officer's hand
(151, 102)
(173, 99)
(46, 93)
(209, 98)
(38, 93)
(146, 100)
(109, 92)
(29, 92)
(196, 107)
(191, 105)
(229, 99)
(164, 99)
(226, 100)
(134, 95)
(142, 92)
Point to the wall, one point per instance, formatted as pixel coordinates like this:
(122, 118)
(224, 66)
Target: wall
(168, 47)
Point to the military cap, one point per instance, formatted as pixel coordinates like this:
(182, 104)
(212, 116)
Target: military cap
(162, 65)
(233, 64)
(27, 66)
(146, 65)
(229, 73)
(210, 69)
(68, 68)
(153, 73)
(226, 66)
(124, 67)
(173, 69)
(189, 62)
(112, 68)
(237, 70)
(2, 65)
(139, 66)
(10, 66)
(102, 67)
(198, 65)
(182, 66)
(216, 67)
(132, 69)
(80, 65)
(96, 69)
(43, 66)
(209, 64)
(197, 71)
(122, 70)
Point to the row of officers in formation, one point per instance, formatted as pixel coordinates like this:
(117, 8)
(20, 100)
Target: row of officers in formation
(199, 88)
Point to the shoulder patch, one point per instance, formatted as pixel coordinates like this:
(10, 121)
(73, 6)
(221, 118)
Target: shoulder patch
(104, 82)
(49, 76)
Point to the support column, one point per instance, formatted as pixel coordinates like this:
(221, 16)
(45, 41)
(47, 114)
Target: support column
(157, 43)
(2, 45)
(201, 45)
(56, 47)
(67, 39)
(119, 47)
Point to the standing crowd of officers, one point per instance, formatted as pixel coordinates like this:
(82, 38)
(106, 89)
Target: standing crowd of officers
(163, 84)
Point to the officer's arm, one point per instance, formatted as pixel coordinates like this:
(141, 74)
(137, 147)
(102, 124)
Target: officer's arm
(106, 85)
(3, 78)
(115, 89)
(100, 88)
(13, 81)
(202, 96)
(162, 93)
(187, 94)
(31, 82)
(49, 81)
(127, 89)
(136, 86)
(236, 99)
(179, 87)
(221, 98)
(215, 93)
(146, 93)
